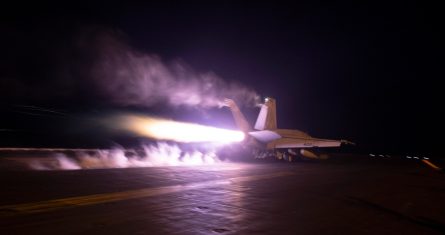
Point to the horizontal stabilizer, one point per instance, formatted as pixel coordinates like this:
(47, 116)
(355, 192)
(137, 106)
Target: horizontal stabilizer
(265, 136)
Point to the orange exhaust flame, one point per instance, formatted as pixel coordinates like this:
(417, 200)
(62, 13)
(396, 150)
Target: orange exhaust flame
(162, 129)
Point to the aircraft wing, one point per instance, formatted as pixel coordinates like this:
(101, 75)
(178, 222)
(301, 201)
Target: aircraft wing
(303, 143)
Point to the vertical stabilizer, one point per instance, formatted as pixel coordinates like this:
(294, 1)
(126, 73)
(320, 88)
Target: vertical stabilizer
(240, 120)
(267, 119)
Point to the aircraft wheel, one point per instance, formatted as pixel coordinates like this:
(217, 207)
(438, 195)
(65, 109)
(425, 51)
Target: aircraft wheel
(278, 155)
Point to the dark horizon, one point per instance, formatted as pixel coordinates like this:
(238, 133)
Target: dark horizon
(365, 72)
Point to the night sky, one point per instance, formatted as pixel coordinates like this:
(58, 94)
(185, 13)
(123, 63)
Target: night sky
(366, 72)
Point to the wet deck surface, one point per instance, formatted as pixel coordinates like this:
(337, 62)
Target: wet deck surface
(255, 198)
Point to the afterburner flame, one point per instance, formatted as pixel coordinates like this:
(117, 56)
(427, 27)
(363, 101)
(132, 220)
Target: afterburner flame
(162, 129)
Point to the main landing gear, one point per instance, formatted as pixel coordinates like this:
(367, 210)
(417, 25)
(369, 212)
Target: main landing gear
(287, 155)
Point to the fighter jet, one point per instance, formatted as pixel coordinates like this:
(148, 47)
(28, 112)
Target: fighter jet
(269, 141)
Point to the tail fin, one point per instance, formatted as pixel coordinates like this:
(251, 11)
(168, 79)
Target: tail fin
(267, 119)
(240, 120)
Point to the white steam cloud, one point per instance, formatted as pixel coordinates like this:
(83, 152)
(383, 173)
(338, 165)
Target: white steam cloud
(161, 154)
(133, 78)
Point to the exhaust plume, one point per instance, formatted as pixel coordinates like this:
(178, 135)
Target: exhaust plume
(132, 78)
(162, 129)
